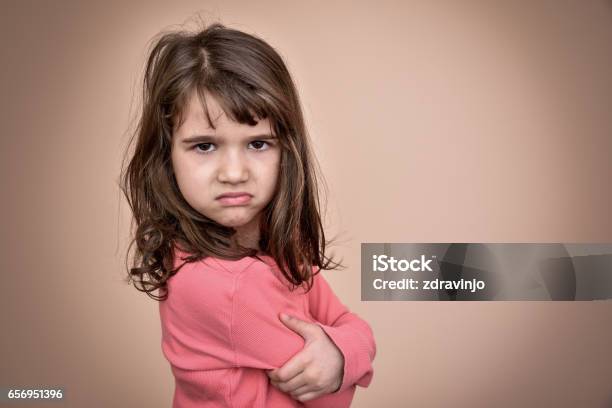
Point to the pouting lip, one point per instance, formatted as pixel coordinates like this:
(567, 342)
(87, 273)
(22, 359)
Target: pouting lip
(237, 194)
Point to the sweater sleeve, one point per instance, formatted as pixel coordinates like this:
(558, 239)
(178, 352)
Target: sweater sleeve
(258, 336)
(351, 334)
(261, 340)
(221, 326)
(216, 318)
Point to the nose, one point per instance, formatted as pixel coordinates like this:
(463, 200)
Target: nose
(233, 168)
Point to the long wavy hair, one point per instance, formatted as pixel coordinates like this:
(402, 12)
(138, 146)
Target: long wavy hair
(248, 77)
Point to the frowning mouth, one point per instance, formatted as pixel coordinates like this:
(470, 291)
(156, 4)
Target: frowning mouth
(238, 198)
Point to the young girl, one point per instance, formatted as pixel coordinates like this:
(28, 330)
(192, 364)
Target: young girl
(224, 195)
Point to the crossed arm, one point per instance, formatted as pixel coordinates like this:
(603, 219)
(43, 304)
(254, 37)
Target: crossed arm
(277, 345)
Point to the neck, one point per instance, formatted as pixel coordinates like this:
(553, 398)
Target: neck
(248, 235)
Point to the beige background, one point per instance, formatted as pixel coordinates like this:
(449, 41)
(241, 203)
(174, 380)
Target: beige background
(446, 121)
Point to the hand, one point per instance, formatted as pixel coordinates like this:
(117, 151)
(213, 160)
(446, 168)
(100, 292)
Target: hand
(314, 371)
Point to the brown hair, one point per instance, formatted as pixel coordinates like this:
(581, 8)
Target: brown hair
(248, 77)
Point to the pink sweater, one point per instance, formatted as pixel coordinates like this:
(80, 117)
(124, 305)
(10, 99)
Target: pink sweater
(221, 331)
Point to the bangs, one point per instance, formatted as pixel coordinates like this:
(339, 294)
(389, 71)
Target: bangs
(239, 101)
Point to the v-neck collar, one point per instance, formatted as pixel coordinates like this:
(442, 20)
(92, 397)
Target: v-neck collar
(233, 266)
(237, 266)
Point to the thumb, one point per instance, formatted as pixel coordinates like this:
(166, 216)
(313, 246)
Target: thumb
(301, 327)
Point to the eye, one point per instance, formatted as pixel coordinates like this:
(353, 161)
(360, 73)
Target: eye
(260, 144)
(205, 150)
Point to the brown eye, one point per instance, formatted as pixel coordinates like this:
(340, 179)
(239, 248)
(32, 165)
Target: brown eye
(204, 150)
(259, 144)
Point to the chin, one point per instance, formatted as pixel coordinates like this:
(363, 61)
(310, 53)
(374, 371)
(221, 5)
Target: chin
(233, 224)
(236, 221)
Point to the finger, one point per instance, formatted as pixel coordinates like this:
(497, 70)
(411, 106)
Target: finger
(308, 396)
(303, 390)
(297, 382)
(305, 329)
(290, 369)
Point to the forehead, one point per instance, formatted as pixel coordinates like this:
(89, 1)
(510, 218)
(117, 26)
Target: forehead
(194, 114)
(194, 109)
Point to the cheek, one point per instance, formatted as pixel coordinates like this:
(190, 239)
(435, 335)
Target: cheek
(272, 175)
(192, 180)
(180, 173)
(178, 167)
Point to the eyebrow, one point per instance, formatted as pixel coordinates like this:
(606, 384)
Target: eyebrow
(211, 138)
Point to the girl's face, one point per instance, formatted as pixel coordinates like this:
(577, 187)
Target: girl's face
(232, 158)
